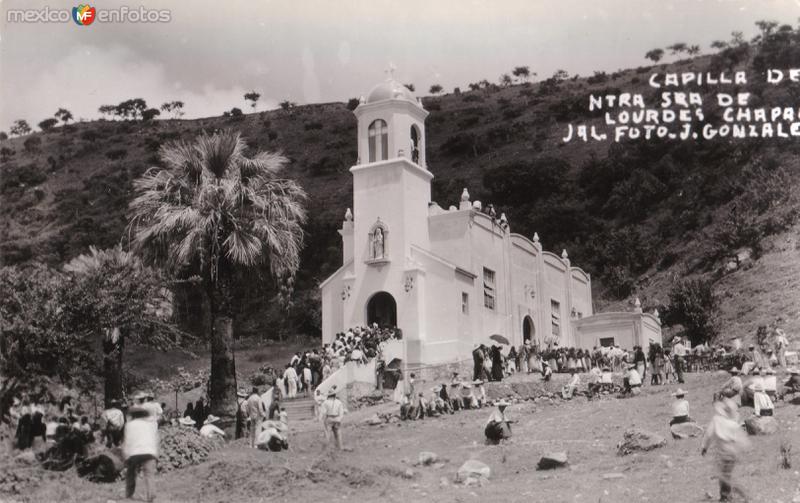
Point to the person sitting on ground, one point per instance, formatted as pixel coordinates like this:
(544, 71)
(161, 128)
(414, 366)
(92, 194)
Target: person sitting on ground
(680, 409)
(762, 404)
(447, 406)
(771, 384)
(498, 427)
(210, 430)
(792, 385)
(748, 390)
(547, 372)
(422, 407)
(632, 381)
(467, 397)
(406, 408)
(273, 436)
(733, 386)
(455, 395)
(569, 390)
(186, 422)
(595, 376)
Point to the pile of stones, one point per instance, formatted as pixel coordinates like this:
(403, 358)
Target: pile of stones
(182, 447)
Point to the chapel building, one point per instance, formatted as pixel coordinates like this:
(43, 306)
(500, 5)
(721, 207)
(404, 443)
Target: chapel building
(450, 278)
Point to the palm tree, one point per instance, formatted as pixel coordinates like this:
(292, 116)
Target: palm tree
(215, 212)
(121, 300)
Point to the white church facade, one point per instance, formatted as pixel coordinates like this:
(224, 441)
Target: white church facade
(449, 278)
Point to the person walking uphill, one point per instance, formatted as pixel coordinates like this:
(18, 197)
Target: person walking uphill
(140, 448)
(332, 412)
(724, 433)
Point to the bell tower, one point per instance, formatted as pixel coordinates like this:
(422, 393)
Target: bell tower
(391, 184)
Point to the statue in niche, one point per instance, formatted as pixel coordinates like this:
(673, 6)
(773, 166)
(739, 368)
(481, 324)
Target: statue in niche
(377, 243)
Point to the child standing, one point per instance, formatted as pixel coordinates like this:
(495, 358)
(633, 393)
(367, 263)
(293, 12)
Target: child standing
(729, 440)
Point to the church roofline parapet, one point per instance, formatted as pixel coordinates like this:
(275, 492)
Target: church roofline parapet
(415, 168)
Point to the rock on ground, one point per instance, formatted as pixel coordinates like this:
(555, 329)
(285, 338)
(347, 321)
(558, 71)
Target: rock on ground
(636, 439)
(427, 458)
(552, 460)
(761, 425)
(686, 430)
(474, 469)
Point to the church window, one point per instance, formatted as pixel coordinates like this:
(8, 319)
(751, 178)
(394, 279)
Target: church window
(415, 144)
(378, 141)
(555, 314)
(488, 288)
(464, 303)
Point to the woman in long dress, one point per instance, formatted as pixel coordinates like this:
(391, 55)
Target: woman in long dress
(524, 352)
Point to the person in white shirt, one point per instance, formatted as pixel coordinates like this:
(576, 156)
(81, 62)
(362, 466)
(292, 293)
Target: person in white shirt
(680, 408)
(733, 386)
(632, 381)
(571, 387)
(479, 393)
(498, 427)
(209, 429)
(762, 404)
(781, 344)
(332, 411)
(187, 422)
(112, 421)
(748, 392)
(771, 384)
(290, 376)
(679, 352)
(140, 448)
(255, 413)
(153, 407)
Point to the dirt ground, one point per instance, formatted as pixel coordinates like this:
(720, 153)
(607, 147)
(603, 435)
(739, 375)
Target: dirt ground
(375, 469)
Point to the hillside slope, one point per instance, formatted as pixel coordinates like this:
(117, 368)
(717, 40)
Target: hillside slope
(636, 214)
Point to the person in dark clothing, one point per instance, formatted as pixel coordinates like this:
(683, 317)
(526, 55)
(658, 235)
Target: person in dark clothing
(497, 364)
(200, 413)
(24, 435)
(477, 360)
(189, 412)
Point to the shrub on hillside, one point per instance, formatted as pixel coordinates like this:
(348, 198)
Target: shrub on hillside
(27, 175)
(117, 154)
(32, 144)
(694, 305)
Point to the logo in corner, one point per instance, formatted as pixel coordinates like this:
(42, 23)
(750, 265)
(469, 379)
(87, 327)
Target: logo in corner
(83, 15)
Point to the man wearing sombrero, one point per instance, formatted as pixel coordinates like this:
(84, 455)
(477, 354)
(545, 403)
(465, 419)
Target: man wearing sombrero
(680, 408)
(498, 427)
(332, 412)
(733, 386)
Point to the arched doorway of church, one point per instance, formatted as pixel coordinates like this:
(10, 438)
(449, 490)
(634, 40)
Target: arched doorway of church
(528, 330)
(382, 309)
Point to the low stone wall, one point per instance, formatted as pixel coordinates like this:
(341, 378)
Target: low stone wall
(437, 374)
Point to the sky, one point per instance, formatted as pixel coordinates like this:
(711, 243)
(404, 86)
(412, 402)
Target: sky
(209, 54)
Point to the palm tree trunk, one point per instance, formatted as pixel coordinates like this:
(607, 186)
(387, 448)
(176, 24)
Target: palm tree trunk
(112, 366)
(222, 386)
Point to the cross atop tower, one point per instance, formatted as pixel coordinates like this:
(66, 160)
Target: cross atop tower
(390, 71)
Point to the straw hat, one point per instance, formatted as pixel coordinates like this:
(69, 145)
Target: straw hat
(140, 395)
(241, 394)
(758, 387)
(794, 371)
(770, 371)
(466, 386)
(332, 391)
(503, 403)
(734, 370)
(211, 419)
(186, 421)
(477, 382)
(679, 392)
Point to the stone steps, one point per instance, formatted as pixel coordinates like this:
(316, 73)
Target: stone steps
(299, 408)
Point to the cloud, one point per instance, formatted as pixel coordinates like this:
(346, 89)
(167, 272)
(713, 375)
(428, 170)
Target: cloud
(91, 76)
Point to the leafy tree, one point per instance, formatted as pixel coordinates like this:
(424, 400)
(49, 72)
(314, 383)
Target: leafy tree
(654, 55)
(124, 301)
(560, 75)
(32, 144)
(766, 27)
(131, 109)
(719, 44)
(435, 89)
(3, 136)
(737, 39)
(678, 47)
(63, 115)
(353, 103)
(108, 110)
(475, 86)
(223, 216)
(40, 336)
(150, 114)
(693, 50)
(522, 73)
(47, 124)
(505, 80)
(693, 304)
(287, 105)
(173, 107)
(252, 97)
(410, 87)
(20, 128)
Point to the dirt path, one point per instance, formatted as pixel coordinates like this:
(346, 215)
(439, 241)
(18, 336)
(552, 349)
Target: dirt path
(374, 470)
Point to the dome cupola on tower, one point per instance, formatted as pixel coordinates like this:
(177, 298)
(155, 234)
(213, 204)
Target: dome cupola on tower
(388, 90)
